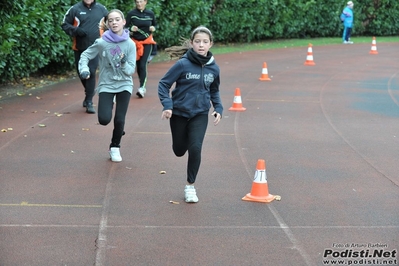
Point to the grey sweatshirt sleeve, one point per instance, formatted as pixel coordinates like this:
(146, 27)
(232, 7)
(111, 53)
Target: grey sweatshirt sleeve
(129, 67)
(86, 56)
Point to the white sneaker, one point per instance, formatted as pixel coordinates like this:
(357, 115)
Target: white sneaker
(115, 154)
(141, 92)
(190, 195)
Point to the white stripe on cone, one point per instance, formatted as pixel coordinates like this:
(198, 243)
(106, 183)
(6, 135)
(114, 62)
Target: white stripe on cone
(260, 176)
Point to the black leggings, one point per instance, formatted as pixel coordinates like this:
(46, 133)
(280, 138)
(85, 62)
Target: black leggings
(142, 64)
(105, 106)
(90, 83)
(188, 135)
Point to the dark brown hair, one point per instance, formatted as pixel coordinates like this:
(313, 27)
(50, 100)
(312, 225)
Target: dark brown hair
(176, 52)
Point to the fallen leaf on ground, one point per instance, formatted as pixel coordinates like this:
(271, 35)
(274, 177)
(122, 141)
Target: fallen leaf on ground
(174, 202)
(162, 172)
(42, 125)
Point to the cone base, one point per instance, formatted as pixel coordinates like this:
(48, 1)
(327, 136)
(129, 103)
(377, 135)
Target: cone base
(265, 79)
(238, 109)
(266, 199)
(309, 63)
(373, 52)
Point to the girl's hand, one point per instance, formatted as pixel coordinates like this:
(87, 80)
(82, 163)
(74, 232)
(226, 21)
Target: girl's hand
(85, 75)
(217, 118)
(152, 28)
(166, 114)
(123, 58)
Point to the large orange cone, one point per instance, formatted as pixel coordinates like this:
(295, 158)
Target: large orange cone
(237, 103)
(265, 75)
(309, 57)
(373, 47)
(260, 189)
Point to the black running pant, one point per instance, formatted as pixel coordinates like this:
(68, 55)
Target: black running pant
(105, 106)
(188, 135)
(141, 65)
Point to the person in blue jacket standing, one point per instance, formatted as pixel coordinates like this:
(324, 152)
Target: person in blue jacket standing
(347, 19)
(197, 78)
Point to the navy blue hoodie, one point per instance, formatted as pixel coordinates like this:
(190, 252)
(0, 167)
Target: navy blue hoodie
(197, 86)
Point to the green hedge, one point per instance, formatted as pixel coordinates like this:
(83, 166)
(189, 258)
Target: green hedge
(31, 38)
(32, 41)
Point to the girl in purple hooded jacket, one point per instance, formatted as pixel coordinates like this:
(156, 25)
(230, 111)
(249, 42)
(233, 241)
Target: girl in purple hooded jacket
(117, 58)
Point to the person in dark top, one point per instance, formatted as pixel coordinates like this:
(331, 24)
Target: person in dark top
(197, 79)
(81, 22)
(141, 23)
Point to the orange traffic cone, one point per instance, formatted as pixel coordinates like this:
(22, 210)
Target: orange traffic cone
(265, 75)
(309, 58)
(260, 190)
(237, 103)
(373, 47)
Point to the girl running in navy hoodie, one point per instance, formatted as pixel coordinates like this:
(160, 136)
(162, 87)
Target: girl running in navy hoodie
(117, 56)
(197, 78)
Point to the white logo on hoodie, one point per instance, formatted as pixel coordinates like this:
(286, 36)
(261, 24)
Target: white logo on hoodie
(193, 76)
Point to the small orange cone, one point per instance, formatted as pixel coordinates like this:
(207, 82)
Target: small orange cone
(309, 57)
(265, 75)
(237, 103)
(260, 189)
(373, 47)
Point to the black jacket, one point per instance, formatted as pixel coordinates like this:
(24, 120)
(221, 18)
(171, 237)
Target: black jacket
(196, 88)
(87, 19)
(143, 20)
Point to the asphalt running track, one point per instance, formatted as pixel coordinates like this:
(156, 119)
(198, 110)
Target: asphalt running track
(329, 134)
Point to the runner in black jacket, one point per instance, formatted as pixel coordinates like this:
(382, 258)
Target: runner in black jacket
(141, 24)
(81, 22)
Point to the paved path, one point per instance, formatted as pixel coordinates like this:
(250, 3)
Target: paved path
(329, 134)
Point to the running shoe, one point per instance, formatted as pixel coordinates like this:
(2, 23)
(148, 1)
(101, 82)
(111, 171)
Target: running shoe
(190, 195)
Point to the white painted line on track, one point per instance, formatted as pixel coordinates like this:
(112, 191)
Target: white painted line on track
(101, 242)
(296, 244)
(243, 227)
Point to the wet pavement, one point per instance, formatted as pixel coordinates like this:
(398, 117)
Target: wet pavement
(329, 135)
